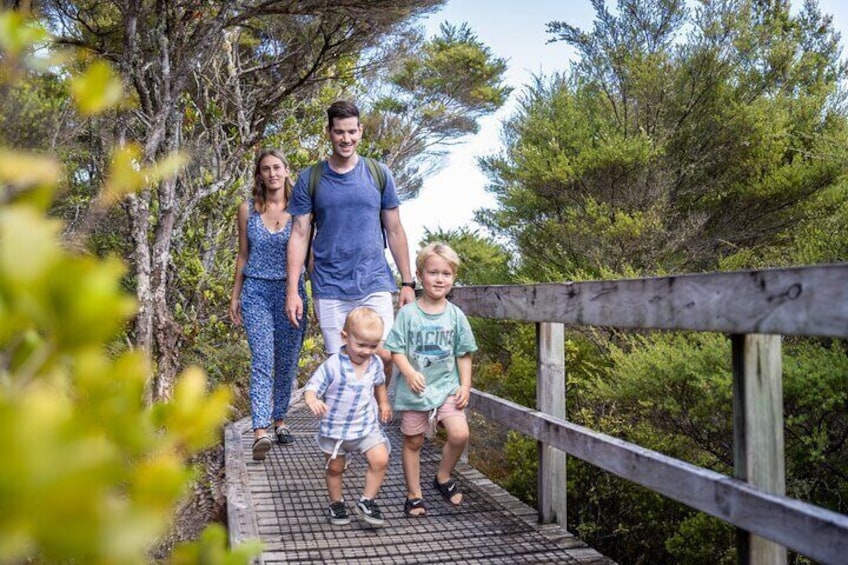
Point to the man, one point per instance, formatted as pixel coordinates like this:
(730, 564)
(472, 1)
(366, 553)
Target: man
(351, 211)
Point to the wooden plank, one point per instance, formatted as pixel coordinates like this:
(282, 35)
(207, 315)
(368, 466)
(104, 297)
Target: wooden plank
(801, 301)
(758, 432)
(241, 518)
(550, 399)
(554, 532)
(812, 531)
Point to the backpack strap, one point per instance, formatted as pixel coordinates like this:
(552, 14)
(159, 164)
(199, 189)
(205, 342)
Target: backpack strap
(314, 178)
(379, 176)
(377, 173)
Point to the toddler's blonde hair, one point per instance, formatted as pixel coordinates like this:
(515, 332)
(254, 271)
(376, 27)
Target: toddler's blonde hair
(363, 319)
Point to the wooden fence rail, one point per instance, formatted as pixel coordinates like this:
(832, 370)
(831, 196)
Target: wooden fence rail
(807, 301)
(808, 529)
(802, 301)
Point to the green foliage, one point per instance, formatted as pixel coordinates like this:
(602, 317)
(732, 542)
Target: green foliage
(509, 369)
(679, 384)
(482, 261)
(260, 76)
(522, 458)
(703, 540)
(18, 34)
(434, 75)
(618, 518)
(211, 549)
(682, 146)
(97, 89)
(815, 391)
(680, 140)
(91, 473)
(544, 185)
(434, 96)
(820, 238)
(34, 105)
(671, 392)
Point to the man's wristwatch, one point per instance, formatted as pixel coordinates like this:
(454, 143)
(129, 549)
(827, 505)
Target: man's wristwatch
(410, 284)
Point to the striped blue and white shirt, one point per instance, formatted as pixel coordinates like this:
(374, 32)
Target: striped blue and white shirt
(352, 409)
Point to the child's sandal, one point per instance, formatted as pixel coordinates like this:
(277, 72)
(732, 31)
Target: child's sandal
(412, 505)
(448, 489)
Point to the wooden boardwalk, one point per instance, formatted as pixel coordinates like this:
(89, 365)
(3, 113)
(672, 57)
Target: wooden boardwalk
(282, 501)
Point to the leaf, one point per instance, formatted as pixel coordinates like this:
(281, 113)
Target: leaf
(167, 167)
(212, 548)
(17, 34)
(97, 89)
(124, 174)
(27, 170)
(28, 245)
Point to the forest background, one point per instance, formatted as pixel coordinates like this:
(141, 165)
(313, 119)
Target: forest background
(684, 137)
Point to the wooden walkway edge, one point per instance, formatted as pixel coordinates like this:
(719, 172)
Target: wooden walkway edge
(281, 502)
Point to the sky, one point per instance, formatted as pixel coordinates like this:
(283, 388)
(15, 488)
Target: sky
(515, 31)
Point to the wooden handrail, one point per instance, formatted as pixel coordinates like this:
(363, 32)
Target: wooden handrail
(809, 301)
(803, 301)
(813, 531)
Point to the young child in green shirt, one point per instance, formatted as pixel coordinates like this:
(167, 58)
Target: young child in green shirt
(431, 344)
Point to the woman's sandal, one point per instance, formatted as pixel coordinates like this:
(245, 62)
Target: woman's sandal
(447, 489)
(413, 504)
(261, 446)
(284, 435)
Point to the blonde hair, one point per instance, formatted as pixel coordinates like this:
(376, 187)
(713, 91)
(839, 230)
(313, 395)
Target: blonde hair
(260, 193)
(443, 250)
(362, 319)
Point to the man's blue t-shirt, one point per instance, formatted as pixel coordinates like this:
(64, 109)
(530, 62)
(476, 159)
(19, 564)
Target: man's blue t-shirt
(350, 261)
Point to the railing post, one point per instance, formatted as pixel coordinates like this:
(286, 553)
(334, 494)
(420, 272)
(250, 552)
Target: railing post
(550, 399)
(758, 432)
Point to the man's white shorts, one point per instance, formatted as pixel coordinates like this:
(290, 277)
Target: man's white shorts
(332, 313)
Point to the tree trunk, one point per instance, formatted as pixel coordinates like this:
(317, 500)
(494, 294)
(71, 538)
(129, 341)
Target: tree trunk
(139, 210)
(166, 333)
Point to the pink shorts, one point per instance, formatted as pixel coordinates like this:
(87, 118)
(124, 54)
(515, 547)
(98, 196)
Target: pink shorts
(415, 422)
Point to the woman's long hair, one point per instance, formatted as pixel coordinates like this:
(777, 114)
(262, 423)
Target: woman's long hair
(260, 193)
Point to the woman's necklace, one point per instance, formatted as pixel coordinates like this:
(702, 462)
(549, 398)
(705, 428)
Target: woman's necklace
(278, 221)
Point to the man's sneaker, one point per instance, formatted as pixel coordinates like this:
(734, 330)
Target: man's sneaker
(337, 514)
(369, 512)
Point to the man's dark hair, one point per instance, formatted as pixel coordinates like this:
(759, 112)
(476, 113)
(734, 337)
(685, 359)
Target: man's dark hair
(341, 109)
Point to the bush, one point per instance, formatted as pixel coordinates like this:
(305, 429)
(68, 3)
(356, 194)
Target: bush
(90, 472)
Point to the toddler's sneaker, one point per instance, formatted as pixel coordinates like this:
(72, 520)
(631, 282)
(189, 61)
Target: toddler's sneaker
(369, 512)
(337, 514)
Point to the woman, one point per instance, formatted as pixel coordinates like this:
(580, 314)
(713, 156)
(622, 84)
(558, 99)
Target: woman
(258, 299)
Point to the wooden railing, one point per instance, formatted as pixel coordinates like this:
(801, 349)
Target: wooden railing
(755, 308)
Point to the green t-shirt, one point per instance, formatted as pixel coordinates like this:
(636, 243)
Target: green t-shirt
(431, 342)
